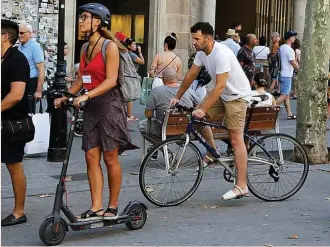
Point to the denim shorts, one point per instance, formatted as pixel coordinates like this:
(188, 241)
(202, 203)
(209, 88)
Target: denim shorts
(285, 83)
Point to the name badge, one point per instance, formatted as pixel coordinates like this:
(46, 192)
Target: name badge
(87, 79)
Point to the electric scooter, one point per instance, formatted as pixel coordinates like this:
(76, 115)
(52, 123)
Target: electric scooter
(53, 229)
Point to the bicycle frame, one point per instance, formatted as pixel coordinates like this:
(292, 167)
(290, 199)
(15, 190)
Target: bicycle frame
(222, 160)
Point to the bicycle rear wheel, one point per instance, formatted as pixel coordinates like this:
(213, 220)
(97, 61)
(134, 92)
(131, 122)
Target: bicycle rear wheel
(168, 173)
(279, 182)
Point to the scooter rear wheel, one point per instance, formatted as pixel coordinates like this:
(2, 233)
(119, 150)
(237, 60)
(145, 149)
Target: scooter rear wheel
(46, 232)
(138, 215)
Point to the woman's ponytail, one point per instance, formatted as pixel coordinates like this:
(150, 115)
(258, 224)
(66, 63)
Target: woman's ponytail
(108, 35)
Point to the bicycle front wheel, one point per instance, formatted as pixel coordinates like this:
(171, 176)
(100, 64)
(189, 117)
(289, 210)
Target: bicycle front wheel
(171, 172)
(279, 181)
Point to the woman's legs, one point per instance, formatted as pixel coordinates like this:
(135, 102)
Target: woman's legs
(129, 112)
(95, 177)
(114, 177)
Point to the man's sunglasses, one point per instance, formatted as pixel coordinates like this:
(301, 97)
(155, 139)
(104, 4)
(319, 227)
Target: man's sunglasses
(22, 33)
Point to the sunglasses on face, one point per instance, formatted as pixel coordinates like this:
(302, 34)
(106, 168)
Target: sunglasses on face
(22, 33)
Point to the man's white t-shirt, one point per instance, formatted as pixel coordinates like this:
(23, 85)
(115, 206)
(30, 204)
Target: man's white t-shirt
(287, 55)
(222, 60)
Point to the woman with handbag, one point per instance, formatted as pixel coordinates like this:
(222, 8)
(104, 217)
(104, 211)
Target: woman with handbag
(105, 125)
(166, 59)
(16, 126)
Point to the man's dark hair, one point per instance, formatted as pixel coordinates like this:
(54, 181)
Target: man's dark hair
(236, 24)
(205, 28)
(10, 28)
(262, 41)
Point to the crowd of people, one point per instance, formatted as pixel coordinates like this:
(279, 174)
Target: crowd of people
(222, 76)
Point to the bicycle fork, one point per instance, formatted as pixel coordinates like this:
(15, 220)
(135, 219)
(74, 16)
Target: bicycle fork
(167, 161)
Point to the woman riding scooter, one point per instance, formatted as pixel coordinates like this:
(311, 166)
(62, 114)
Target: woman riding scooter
(105, 124)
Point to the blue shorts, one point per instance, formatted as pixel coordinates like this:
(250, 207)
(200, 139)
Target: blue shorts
(285, 83)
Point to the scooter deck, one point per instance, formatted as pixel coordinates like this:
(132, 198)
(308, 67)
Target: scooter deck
(84, 225)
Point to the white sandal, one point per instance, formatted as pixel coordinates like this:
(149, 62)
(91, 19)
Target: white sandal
(231, 194)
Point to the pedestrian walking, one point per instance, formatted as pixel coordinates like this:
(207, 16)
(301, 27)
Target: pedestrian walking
(137, 60)
(246, 56)
(14, 106)
(288, 64)
(230, 42)
(35, 56)
(274, 63)
(297, 52)
(261, 52)
(105, 124)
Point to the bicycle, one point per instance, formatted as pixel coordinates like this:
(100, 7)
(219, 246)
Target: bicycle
(178, 158)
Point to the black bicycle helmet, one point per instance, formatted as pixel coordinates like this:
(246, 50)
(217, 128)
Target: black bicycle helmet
(98, 10)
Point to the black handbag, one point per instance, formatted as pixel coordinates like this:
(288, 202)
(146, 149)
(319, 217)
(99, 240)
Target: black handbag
(21, 130)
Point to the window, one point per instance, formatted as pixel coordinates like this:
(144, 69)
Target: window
(130, 25)
(122, 24)
(139, 28)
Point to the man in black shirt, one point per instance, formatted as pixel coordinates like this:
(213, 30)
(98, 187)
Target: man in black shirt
(14, 106)
(246, 56)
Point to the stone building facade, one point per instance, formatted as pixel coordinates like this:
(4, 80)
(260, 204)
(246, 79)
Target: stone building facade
(150, 21)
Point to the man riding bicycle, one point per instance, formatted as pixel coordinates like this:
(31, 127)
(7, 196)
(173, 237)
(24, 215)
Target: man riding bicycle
(229, 91)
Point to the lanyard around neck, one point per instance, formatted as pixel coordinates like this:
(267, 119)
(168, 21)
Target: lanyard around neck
(90, 55)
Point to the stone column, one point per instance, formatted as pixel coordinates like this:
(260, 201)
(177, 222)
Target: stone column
(299, 7)
(70, 31)
(208, 11)
(167, 16)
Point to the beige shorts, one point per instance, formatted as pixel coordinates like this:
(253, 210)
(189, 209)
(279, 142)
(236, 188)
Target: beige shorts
(235, 112)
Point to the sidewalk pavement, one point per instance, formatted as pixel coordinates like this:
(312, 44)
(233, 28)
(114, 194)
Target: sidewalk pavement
(195, 222)
(42, 175)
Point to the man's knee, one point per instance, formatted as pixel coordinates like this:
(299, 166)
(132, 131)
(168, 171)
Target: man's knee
(236, 137)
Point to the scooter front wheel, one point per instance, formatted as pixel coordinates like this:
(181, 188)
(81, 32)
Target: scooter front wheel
(78, 130)
(46, 232)
(138, 217)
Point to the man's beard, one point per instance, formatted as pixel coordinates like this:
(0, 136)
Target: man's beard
(202, 48)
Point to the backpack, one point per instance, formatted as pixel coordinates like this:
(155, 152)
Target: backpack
(275, 63)
(128, 78)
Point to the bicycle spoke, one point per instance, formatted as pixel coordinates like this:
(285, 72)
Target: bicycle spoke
(272, 183)
(179, 181)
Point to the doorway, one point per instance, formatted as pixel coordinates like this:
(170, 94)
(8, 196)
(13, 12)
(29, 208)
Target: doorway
(130, 17)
